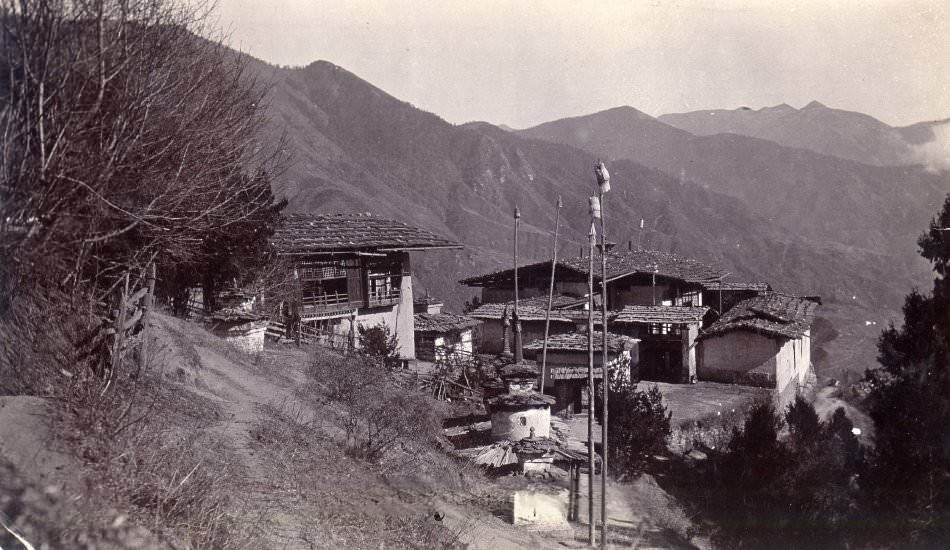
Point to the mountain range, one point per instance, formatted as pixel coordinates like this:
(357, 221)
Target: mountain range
(834, 132)
(805, 221)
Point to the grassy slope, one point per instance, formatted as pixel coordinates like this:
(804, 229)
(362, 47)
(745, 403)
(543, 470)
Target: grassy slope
(270, 444)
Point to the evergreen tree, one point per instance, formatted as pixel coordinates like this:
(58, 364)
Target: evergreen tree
(638, 429)
(908, 485)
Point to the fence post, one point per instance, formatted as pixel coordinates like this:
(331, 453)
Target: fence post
(119, 334)
(149, 303)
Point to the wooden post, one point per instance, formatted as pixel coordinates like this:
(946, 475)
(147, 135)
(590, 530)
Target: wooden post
(515, 321)
(592, 236)
(147, 306)
(119, 334)
(547, 316)
(603, 368)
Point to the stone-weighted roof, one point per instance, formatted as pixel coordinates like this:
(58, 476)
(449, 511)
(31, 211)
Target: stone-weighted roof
(526, 312)
(676, 315)
(442, 323)
(772, 314)
(576, 341)
(734, 286)
(664, 264)
(335, 233)
(517, 401)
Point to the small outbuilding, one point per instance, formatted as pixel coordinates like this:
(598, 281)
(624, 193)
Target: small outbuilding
(764, 341)
(443, 335)
(565, 374)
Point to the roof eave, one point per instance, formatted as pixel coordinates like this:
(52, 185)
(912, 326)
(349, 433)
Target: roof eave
(423, 247)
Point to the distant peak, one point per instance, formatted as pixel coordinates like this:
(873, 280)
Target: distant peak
(322, 63)
(815, 104)
(624, 110)
(779, 107)
(621, 108)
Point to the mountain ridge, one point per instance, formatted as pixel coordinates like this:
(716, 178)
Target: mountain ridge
(835, 132)
(357, 148)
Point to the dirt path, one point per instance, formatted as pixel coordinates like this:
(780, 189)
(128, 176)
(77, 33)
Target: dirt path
(826, 403)
(640, 512)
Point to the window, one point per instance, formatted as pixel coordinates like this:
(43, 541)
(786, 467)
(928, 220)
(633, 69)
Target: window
(664, 329)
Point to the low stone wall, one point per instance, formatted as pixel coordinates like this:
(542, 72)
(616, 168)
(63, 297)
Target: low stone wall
(247, 337)
(543, 510)
(755, 377)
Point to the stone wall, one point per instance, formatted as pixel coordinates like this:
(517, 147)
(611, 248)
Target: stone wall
(540, 509)
(247, 337)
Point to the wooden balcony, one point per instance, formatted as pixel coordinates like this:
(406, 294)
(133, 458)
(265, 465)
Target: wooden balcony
(384, 297)
(326, 303)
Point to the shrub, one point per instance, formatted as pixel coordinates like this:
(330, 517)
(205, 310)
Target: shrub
(380, 345)
(639, 426)
(377, 415)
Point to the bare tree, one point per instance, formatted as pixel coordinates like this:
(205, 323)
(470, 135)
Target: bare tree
(126, 137)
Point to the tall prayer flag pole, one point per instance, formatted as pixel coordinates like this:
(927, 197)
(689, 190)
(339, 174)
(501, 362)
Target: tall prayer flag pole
(547, 317)
(603, 181)
(592, 237)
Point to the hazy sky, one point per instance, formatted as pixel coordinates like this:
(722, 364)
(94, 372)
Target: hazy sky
(523, 62)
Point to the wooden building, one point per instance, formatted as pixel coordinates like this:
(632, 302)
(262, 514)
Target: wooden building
(667, 339)
(640, 277)
(655, 297)
(352, 270)
(440, 336)
(763, 341)
(567, 360)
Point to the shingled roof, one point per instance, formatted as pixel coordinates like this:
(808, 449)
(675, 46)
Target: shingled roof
(531, 309)
(733, 286)
(773, 314)
(441, 323)
(619, 265)
(575, 341)
(334, 233)
(677, 315)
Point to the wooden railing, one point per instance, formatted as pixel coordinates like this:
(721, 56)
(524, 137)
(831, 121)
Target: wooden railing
(384, 296)
(325, 302)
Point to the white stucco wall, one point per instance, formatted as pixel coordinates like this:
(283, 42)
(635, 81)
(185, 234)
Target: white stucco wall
(690, 361)
(466, 343)
(507, 424)
(726, 358)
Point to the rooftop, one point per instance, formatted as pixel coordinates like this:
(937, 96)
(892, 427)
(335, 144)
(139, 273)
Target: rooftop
(576, 341)
(335, 233)
(521, 401)
(771, 314)
(526, 311)
(664, 264)
(733, 286)
(443, 322)
(661, 314)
